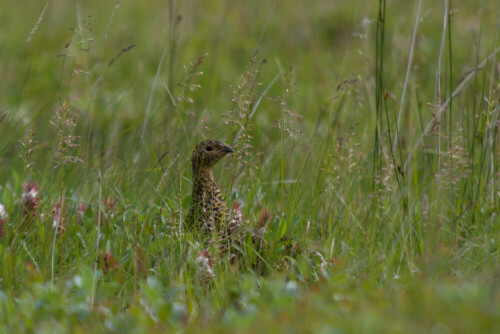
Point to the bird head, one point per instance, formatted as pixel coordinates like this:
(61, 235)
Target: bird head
(207, 153)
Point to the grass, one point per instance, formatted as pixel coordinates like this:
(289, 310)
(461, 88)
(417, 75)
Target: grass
(368, 129)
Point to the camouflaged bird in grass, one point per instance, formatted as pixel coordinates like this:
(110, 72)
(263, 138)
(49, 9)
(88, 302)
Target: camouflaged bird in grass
(208, 212)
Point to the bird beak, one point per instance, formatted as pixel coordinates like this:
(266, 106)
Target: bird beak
(228, 149)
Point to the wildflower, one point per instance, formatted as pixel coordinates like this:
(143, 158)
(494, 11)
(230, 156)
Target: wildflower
(109, 207)
(81, 211)
(30, 201)
(238, 215)
(59, 217)
(204, 264)
(82, 208)
(107, 210)
(109, 262)
(236, 206)
(265, 218)
(3, 218)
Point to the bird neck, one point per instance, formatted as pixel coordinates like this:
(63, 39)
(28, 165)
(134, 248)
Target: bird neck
(203, 178)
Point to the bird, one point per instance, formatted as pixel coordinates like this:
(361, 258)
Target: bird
(208, 212)
(210, 217)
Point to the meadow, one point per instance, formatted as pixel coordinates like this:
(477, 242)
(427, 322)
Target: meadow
(365, 136)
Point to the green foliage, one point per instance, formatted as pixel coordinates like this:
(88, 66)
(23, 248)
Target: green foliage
(376, 213)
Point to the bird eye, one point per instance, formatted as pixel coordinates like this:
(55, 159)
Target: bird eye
(208, 148)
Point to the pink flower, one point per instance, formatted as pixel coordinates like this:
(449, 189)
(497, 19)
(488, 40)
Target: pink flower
(109, 262)
(109, 207)
(30, 199)
(81, 212)
(236, 205)
(82, 208)
(265, 218)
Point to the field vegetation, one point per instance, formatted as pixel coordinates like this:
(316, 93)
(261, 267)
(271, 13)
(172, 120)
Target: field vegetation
(366, 153)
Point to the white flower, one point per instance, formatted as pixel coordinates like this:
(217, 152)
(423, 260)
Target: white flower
(204, 265)
(3, 213)
(30, 195)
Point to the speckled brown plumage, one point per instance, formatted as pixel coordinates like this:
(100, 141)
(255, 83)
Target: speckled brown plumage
(208, 212)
